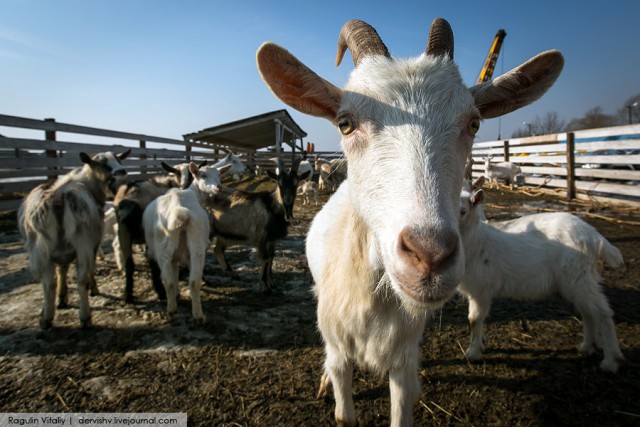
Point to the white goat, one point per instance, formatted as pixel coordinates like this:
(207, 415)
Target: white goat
(506, 171)
(385, 250)
(62, 221)
(176, 229)
(532, 258)
(308, 190)
(237, 166)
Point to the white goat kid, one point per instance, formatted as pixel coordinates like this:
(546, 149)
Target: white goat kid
(532, 258)
(385, 250)
(62, 221)
(308, 190)
(505, 171)
(176, 229)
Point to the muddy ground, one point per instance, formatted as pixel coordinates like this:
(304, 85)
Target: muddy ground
(257, 361)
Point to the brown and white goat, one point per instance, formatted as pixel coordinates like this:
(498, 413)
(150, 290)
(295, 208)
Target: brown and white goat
(62, 221)
(260, 219)
(385, 251)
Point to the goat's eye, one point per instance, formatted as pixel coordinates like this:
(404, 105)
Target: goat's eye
(463, 212)
(345, 124)
(474, 126)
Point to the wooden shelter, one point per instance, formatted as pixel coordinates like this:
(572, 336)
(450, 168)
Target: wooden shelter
(269, 130)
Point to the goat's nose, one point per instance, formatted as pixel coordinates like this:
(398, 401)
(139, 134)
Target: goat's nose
(427, 251)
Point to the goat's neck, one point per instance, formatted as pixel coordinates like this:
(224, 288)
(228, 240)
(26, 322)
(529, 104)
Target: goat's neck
(96, 188)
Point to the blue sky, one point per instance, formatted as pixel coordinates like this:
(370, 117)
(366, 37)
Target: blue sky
(166, 68)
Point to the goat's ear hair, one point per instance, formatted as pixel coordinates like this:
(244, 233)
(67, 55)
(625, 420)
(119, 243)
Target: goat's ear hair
(203, 163)
(224, 169)
(193, 168)
(304, 175)
(169, 168)
(478, 182)
(519, 87)
(85, 158)
(272, 175)
(295, 84)
(477, 198)
(124, 155)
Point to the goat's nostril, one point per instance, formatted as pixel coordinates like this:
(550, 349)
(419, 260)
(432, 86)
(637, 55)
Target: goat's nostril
(425, 252)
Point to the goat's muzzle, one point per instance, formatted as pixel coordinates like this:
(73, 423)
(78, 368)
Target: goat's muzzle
(427, 264)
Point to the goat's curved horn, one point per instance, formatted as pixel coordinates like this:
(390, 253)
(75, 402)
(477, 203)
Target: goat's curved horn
(361, 39)
(440, 39)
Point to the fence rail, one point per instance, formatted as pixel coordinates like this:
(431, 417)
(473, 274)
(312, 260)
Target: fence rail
(600, 164)
(28, 161)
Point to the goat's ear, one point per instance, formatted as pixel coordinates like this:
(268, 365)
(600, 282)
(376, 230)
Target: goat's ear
(224, 169)
(519, 87)
(203, 163)
(295, 84)
(272, 175)
(193, 169)
(169, 168)
(85, 158)
(304, 175)
(477, 198)
(124, 155)
(478, 183)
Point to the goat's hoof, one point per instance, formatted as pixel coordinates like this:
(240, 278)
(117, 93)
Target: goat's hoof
(63, 304)
(129, 300)
(199, 321)
(473, 355)
(46, 324)
(586, 349)
(171, 316)
(609, 366)
(85, 323)
(325, 385)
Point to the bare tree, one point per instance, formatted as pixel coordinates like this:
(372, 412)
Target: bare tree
(630, 112)
(594, 118)
(548, 124)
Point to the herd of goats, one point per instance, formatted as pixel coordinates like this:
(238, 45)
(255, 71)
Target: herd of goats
(395, 241)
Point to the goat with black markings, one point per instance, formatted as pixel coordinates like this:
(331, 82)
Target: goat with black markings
(129, 204)
(260, 219)
(62, 222)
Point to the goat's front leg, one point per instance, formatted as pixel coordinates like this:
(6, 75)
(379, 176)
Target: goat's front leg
(404, 389)
(48, 277)
(339, 371)
(61, 280)
(218, 250)
(478, 311)
(266, 255)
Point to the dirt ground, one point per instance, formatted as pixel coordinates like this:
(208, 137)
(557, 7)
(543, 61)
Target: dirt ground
(258, 359)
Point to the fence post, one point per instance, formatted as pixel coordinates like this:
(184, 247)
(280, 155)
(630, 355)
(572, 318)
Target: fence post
(50, 135)
(506, 150)
(143, 156)
(571, 169)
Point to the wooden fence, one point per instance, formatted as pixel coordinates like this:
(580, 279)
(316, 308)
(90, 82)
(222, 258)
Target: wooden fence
(27, 162)
(599, 164)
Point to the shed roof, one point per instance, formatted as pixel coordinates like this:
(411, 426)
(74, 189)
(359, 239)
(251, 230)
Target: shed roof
(253, 133)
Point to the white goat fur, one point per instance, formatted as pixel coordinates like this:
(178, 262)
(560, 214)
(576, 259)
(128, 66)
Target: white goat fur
(381, 264)
(238, 168)
(53, 240)
(506, 171)
(532, 258)
(176, 229)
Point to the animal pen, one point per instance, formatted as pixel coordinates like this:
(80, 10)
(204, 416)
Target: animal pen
(596, 164)
(28, 161)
